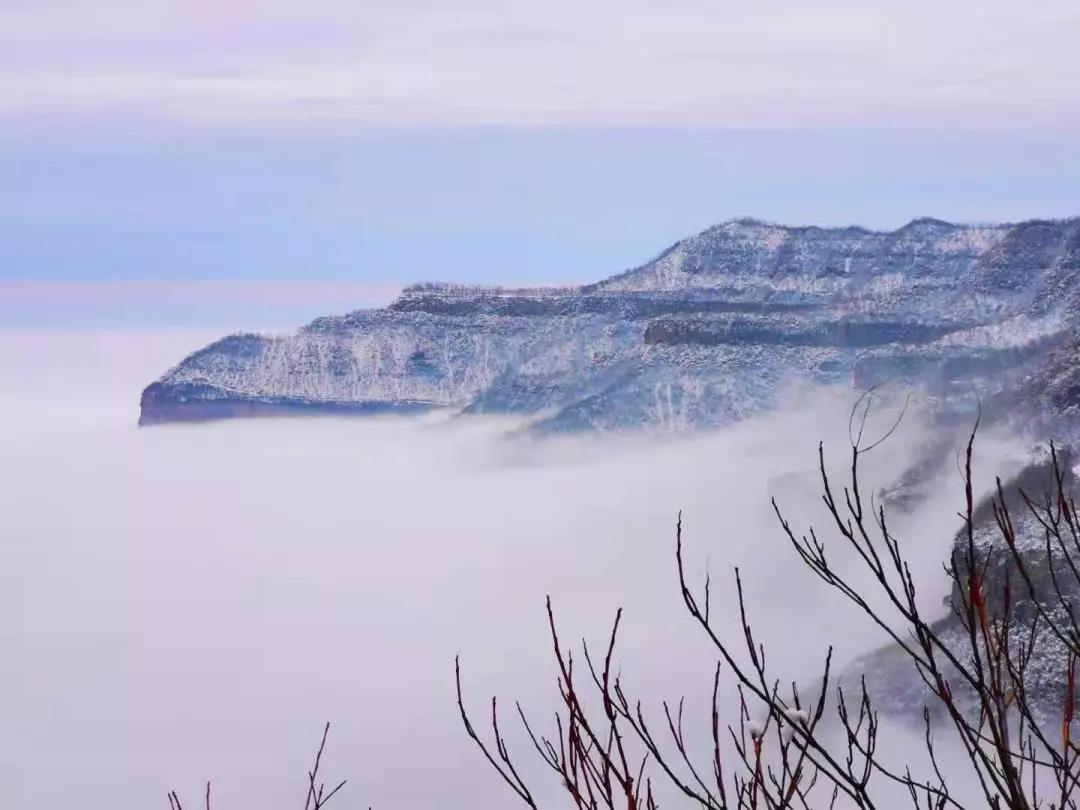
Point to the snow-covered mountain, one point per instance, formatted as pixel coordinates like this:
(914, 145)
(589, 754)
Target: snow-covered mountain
(711, 330)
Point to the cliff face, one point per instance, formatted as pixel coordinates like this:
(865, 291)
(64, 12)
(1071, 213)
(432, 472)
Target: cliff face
(705, 333)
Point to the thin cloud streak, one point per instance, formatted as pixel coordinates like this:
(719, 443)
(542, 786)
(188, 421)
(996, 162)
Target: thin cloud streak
(995, 63)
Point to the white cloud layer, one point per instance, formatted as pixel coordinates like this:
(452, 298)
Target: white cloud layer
(190, 603)
(770, 63)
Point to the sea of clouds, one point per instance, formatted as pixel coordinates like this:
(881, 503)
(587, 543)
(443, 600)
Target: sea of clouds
(190, 603)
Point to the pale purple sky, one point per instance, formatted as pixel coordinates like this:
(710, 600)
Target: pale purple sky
(172, 150)
(747, 64)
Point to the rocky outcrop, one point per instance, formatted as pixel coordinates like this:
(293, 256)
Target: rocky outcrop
(707, 332)
(891, 676)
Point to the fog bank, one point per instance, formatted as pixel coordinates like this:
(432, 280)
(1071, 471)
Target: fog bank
(192, 602)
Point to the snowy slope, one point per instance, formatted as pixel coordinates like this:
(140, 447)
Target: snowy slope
(710, 331)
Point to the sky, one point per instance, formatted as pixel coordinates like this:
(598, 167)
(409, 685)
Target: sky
(174, 170)
(248, 165)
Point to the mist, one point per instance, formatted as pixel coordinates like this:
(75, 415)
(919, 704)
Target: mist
(190, 603)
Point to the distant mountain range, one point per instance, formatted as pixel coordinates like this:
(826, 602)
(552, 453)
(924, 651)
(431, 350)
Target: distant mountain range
(708, 332)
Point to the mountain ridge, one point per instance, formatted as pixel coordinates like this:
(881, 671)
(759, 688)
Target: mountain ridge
(702, 334)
